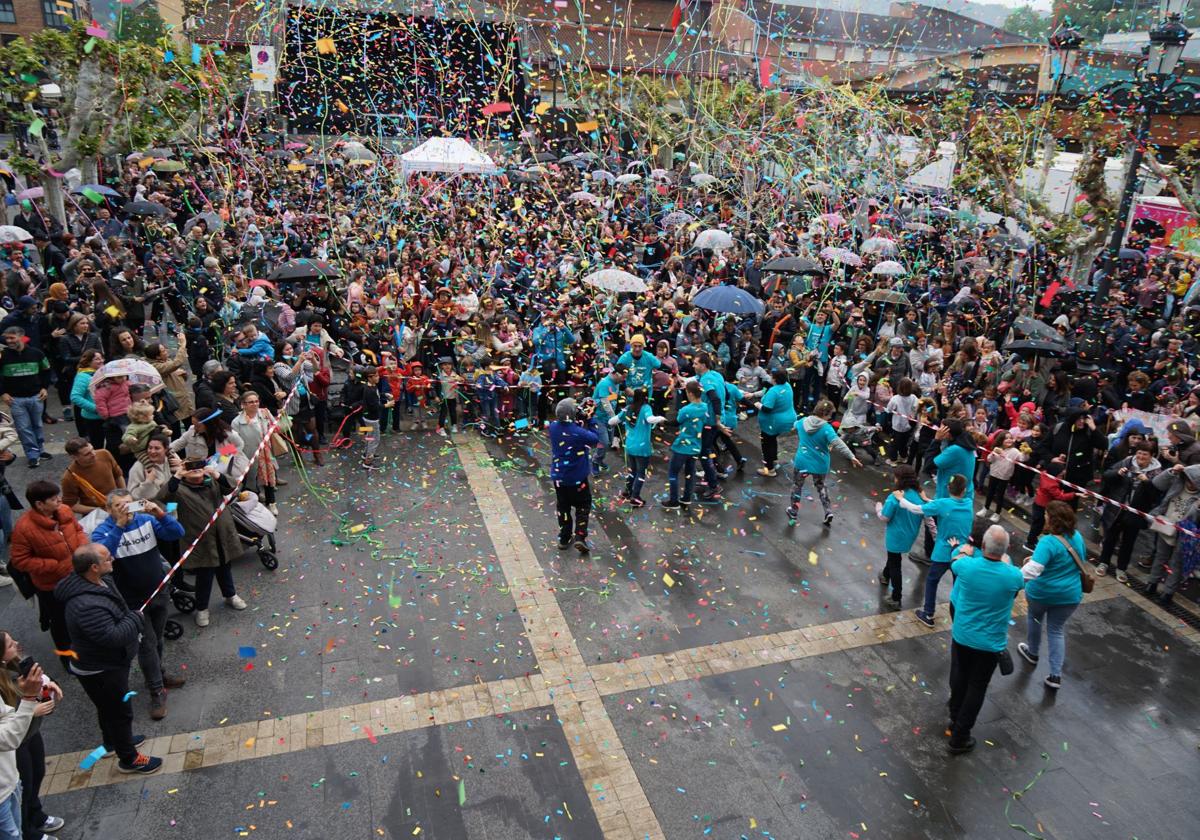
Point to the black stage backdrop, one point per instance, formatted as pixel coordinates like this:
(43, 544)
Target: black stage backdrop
(381, 74)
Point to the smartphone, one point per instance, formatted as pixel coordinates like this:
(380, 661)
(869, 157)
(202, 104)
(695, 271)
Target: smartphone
(25, 666)
(136, 506)
(172, 507)
(193, 465)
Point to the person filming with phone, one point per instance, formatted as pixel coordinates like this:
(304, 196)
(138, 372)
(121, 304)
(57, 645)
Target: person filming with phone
(132, 532)
(17, 711)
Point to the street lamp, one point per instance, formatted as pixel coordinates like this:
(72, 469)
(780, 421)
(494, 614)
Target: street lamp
(946, 80)
(961, 145)
(976, 58)
(998, 82)
(1167, 41)
(1066, 41)
(552, 66)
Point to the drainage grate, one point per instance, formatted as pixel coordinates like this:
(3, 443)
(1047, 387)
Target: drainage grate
(1174, 609)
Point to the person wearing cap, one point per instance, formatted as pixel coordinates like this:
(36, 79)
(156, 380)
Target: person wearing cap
(605, 395)
(25, 316)
(640, 364)
(894, 364)
(1182, 448)
(24, 378)
(1179, 508)
(572, 435)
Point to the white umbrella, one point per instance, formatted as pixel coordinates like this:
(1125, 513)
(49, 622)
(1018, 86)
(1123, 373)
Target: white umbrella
(615, 280)
(629, 178)
(703, 179)
(137, 371)
(590, 198)
(879, 245)
(603, 175)
(841, 255)
(889, 268)
(12, 233)
(660, 174)
(713, 240)
(676, 218)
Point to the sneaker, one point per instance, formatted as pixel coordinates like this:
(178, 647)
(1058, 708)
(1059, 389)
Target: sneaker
(442, 431)
(45, 456)
(454, 430)
(995, 517)
(1145, 564)
(582, 547)
(981, 512)
(138, 740)
(1053, 682)
(883, 579)
(1101, 569)
(1151, 590)
(563, 546)
(174, 682)
(52, 824)
(274, 508)
(714, 496)
(1163, 600)
(685, 506)
(669, 505)
(5, 580)
(960, 747)
(763, 471)
(158, 706)
(33, 465)
(741, 466)
(927, 620)
(893, 604)
(828, 519)
(235, 603)
(728, 474)
(202, 618)
(637, 502)
(144, 764)
(623, 495)
(1026, 654)
(1122, 576)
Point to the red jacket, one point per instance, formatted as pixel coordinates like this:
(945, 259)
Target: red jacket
(42, 547)
(1050, 489)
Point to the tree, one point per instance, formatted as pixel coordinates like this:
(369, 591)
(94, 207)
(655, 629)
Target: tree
(114, 98)
(1029, 22)
(144, 24)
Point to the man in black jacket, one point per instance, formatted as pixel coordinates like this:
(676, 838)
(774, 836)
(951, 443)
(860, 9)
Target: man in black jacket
(104, 636)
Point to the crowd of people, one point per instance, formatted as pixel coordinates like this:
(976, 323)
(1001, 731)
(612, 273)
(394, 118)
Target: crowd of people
(210, 327)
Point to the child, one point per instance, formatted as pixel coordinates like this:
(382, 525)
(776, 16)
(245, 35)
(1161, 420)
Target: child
(686, 448)
(448, 383)
(505, 378)
(530, 383)
(903, 409)
(137, 433)
(1002, 463)
(927, 420)
(391, 380)
(470, 399)
(902, 529)
(837, 373)
(638, 419)
(372, 411)
(486, 397)
(1049, 489)
(417, 386)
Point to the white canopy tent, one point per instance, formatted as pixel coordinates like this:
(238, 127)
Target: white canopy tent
(447, 154)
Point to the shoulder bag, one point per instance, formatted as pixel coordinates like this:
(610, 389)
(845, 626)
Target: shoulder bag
(1085, 579)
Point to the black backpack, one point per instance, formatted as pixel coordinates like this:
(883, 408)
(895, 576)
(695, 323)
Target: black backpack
(22, 580)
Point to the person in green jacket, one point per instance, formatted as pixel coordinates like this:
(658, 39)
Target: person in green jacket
(776, 415)
(1054, 589)
(638, 420)
(87, 419)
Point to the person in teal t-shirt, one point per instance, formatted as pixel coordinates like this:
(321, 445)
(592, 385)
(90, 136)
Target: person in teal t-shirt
(638, 420)
(1054, 589)
(692, 418)
(776, 415)
(955, 515)
(902, 528)
(985, 585)
(605, 395)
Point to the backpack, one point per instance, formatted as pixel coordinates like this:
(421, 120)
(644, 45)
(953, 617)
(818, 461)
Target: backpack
(23, 581)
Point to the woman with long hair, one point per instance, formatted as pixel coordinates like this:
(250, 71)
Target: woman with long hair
(87, 420)
(1053, 589)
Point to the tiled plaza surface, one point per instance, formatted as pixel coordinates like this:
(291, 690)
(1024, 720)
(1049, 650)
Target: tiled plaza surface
(427, 664)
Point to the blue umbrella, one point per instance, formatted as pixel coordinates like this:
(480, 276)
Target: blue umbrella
(100, 188)
(1131, 254)
(729, 299)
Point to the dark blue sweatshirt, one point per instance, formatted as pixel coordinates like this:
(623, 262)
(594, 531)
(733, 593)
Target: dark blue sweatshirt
(570, 461)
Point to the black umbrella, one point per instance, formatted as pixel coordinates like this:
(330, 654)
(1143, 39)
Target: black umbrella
(1037, 330)
(146, 208)
(1007, 241)
(545, 157)
(305, 270)
(278, 154)
(1131, 254)
(1034, 346)
(794, 265)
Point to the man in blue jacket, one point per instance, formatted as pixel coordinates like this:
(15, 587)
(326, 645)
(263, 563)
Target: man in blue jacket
(571, 438)
(132, 538)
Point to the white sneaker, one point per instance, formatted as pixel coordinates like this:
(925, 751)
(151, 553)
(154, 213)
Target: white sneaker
(454, 430)
(995, 517)
(5, 580)
(1122, 577)
(273, 508)
(201, 618)
(235, 603)
(1101, 569)
(981, 512)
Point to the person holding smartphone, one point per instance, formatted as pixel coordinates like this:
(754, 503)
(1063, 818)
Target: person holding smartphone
(17, 709)
(31, 754)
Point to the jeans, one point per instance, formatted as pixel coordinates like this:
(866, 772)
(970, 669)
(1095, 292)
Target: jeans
(602, 432)
(27, 418)
(1166, 565)
(107, 691)
(204, 582)
(573, 504)
(1054, 616)
(10, 816)
(970, 672)
(687, 464)
(6, 520)
(638, 465)
(150, 649)
(932, 579)
(31, 767)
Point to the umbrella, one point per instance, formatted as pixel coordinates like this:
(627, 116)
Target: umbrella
(660, 174)
(167, 166)
(677, 218)
(536, 169)
(832, 219)
(146, 208)
(713, 240)
(889, 268)
(1036, 345)
(615, 280)
(32, 192)
(545, 157)
(589, 198)
(1131, 254)
(841, 255)
(879, 245)
(729, 299)
(214, 221)
(887, 296)
(100, 188)
(629, 178)
(1007, 241)
(139, 372)
(12, 233)
(703, 179)
(305, 270)
(603, 175)
(819, 189)
(278, 154)
(1035, 329)
(266, 284)
(314, 161)
(920, 227)
(794, 265)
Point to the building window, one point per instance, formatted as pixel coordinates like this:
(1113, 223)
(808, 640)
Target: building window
(855, 54)
(7, 13)
(825, 53)
(55, 15)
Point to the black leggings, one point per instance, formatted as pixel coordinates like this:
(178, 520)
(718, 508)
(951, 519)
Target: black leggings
(997, 487)
(770, 450)
(31, 769)
(448, 411)
(893, 573)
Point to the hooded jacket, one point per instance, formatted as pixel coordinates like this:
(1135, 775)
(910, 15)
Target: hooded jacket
(816, 438)
(1078, 446)
(104, 630)
(42, 546)
(1128, 490)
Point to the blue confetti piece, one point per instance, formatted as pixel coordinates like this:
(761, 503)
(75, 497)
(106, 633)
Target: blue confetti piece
(195, 53)
(130, 694)
(89, 760)
(247, 652)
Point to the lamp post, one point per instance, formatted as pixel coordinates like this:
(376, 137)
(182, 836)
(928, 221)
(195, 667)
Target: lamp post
(975, 63)
(1167, 41)
(552, 66)
(1065, 41)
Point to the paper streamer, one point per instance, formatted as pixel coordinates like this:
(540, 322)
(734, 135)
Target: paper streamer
(89, 760)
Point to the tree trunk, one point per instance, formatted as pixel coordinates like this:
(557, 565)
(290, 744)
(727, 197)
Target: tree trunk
(91, 173)
(1081, 267)
(55, 202)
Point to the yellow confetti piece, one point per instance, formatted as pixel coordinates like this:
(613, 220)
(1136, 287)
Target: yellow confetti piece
(813, 559)
(753, 823)
(779, 727)
(667, 579)
(249, 743)
(326, 46)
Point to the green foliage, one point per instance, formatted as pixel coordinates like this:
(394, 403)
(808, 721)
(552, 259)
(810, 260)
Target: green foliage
(1096, 18)
(1029, 22)
(143, 24)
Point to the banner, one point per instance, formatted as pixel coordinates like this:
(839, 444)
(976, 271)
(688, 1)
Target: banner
(263, 71)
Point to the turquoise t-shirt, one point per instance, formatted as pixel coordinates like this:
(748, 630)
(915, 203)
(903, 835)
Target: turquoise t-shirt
(713, 385)
(641, 369)
(603, 394)
(1059, 583)
(954, 520)
(903, 525)
(778, 413)
(691, 419)
(729, 406)
(983, 600)
(637, 432)
(952, 460)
